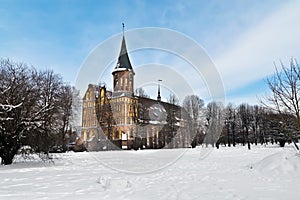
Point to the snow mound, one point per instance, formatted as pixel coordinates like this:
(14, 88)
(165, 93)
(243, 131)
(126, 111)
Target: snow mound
(283, 162)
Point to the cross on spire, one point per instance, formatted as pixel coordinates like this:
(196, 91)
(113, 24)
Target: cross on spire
(123, 28)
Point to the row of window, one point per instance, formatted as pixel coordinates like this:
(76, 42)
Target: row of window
(123, 99)
(89, 117)
(123, 80)
(88, 134)
(89, 104)
(123, 88)
(89, 95)
(89, 123)
(123, 120)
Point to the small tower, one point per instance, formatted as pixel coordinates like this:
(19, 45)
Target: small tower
(158, 91)
(123, 74)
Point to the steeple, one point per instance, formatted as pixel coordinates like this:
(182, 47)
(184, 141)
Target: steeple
(158, 92)
(123, 60)
(123, 74)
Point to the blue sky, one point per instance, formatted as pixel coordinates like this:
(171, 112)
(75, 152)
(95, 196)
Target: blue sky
(243, 38)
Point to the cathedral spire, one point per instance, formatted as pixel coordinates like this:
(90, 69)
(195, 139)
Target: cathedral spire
(158, 92)
(123, 74)
(123, 63)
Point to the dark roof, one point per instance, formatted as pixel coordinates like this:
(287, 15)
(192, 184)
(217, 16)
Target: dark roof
(123, 60)
(147, 104)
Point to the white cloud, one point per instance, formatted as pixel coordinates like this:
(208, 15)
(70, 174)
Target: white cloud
(251, 57)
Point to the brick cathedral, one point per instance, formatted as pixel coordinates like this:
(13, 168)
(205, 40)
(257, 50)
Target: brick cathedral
(119, 119)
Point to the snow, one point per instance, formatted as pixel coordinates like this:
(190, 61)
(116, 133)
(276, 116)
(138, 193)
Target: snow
(121, 69)
(6, 119)
(157, 122)
(4, 91)
(289, 164)
(203, 173)
(8, 107)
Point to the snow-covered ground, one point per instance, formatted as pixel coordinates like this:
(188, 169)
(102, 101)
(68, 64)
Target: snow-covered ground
(202, 173)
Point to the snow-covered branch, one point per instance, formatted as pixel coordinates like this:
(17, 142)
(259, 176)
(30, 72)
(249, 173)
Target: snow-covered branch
(8, 108)
(4, 91)
(6, 119)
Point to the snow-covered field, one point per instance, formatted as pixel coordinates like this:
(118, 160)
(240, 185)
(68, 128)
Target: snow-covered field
(202, 173)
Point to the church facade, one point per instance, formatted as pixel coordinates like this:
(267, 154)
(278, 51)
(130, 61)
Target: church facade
(119, 119)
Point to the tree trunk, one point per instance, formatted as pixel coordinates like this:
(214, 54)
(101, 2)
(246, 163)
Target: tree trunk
(244, 138)
(228, 138)
(298, 120)
(7, 159)
(233, 135)
(248, 141)
(7, 154)
(296, 145)
(281, 142)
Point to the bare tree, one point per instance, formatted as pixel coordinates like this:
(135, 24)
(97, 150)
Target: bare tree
(172, 99)
(279, 126)
(215, 122)
(257, 126)
(141, 93)
(65, 101)
(34, 108)
(76, 111)
(285, 88)
(17, 115)
(193, 106)
(230, 122)
(246, 117)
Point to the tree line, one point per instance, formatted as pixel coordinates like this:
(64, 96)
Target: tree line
(243, 124)
(276, 119)
(36, 108)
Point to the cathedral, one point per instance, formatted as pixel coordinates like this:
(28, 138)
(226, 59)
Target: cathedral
(120, 119)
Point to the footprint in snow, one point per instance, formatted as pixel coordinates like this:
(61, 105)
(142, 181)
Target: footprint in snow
(115, 184)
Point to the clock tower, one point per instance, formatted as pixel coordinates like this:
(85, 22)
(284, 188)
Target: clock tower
(123, 74)
(123, 102)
